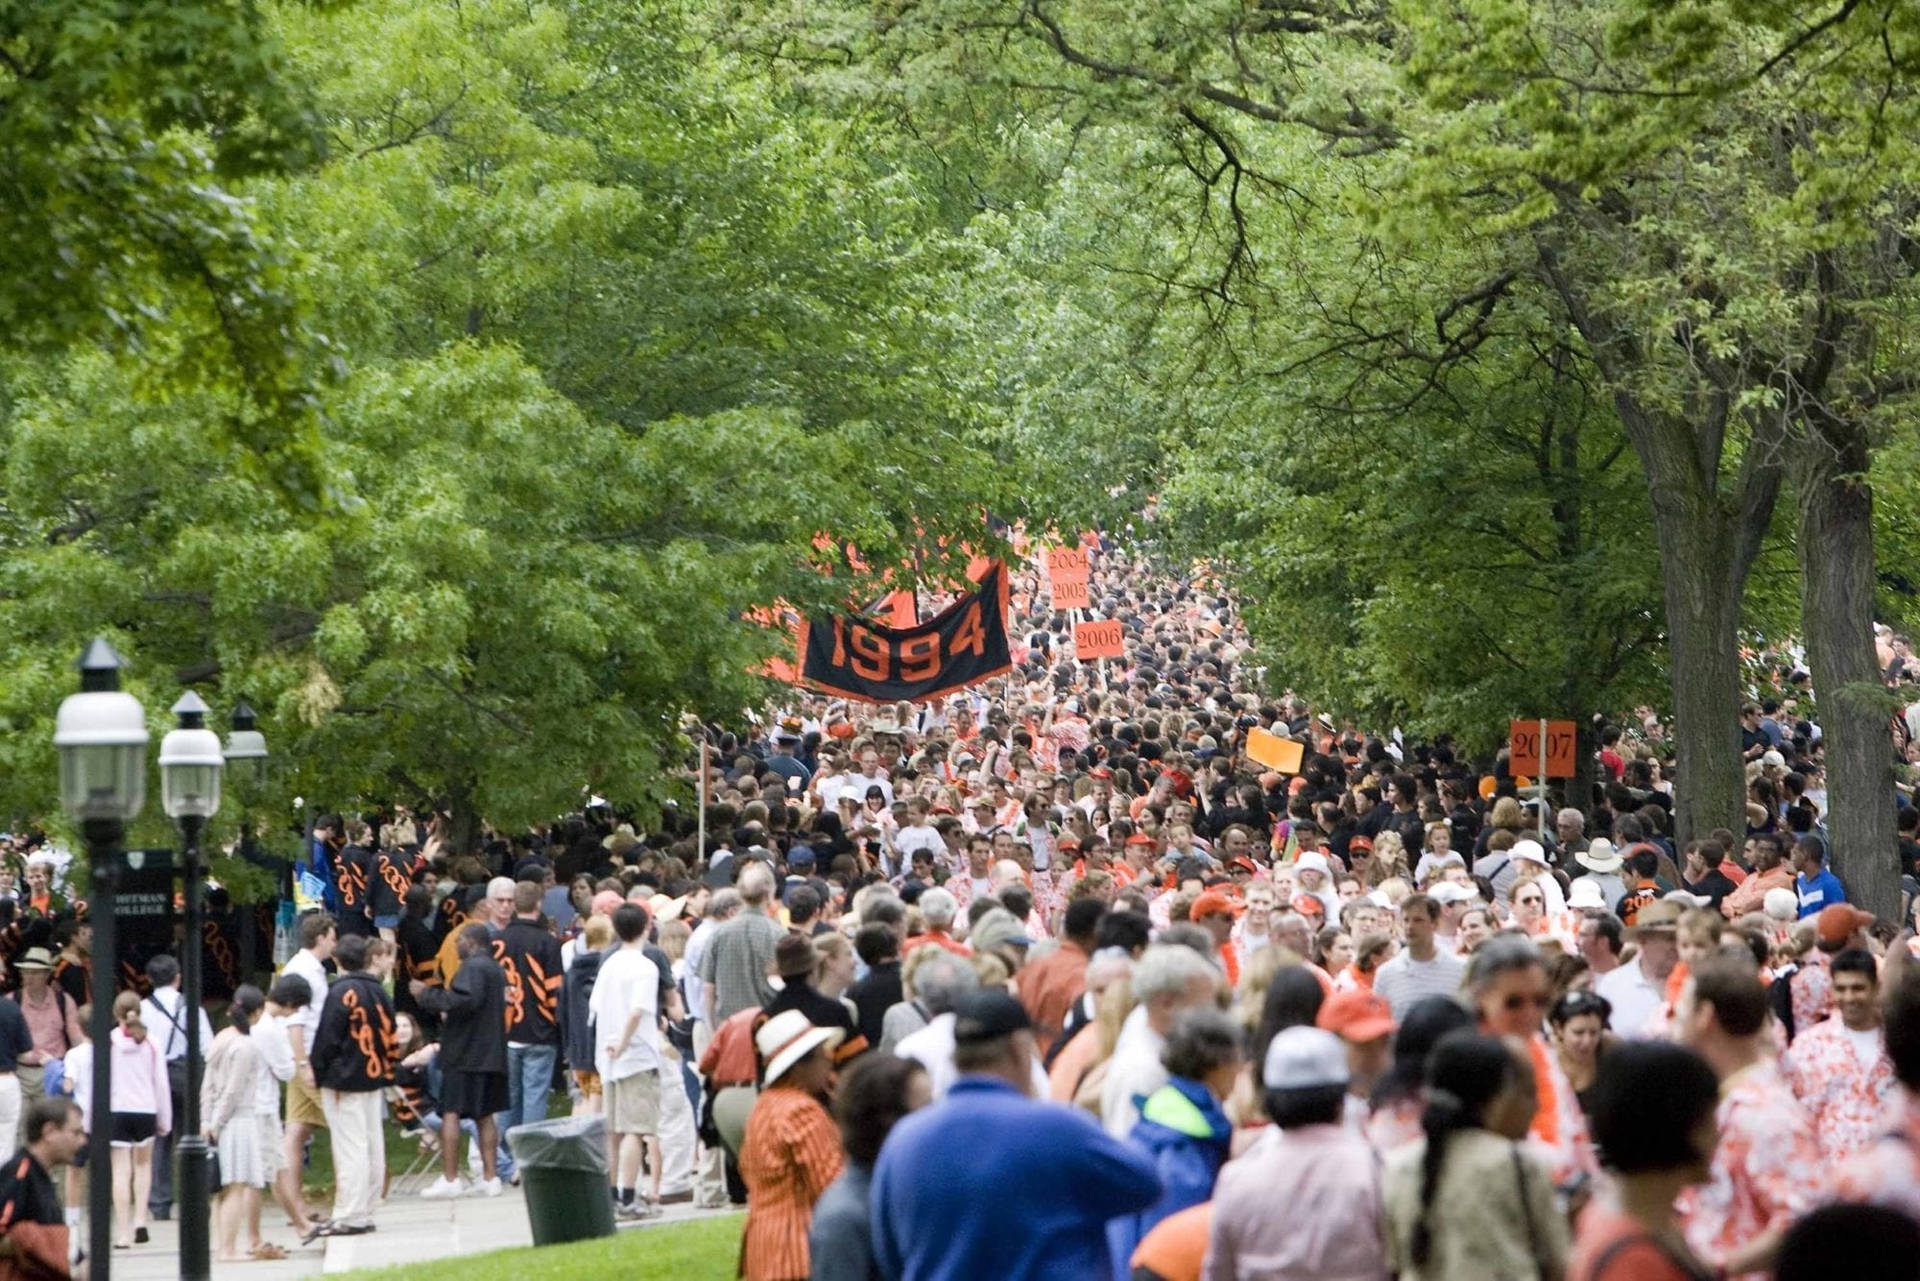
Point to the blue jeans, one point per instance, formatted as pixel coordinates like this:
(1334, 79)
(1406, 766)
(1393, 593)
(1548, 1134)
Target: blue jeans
(529, 1083)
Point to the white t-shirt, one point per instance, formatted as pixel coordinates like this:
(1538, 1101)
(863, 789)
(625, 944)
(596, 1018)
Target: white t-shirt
(276, 1051)
(920, 838)
(627, 981)
(856, 786)
(308, 967)
(1866, 1045)
(1634, 997)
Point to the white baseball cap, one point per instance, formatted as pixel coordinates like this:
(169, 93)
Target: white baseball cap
(1301, 1058)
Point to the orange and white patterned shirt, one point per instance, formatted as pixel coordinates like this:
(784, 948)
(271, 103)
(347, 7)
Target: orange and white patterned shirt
(1760, 1177)
(1812, 989)
(1887, 1170)
(1848, 1101)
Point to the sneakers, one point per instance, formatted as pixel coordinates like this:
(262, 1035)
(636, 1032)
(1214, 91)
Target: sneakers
(441, 1189)
(638, 1208)
(488, 1187)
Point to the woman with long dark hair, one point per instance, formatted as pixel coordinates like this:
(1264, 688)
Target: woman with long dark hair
(1467, 1201)
(1293, 1000)
(1400, 1096)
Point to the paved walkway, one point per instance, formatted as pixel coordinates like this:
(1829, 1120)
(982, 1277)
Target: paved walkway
(410, 1230)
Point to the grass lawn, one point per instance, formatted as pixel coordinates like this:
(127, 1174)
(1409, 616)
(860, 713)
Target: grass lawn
(317, 1178)
(693, 1250)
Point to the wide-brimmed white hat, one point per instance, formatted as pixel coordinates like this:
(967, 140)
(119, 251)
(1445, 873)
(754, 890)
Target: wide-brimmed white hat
(1599, 856)
(1530, 852)
(788, 1037)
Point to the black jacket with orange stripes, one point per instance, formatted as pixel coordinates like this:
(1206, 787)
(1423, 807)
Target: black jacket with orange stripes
(354, 1047)
(530, 956)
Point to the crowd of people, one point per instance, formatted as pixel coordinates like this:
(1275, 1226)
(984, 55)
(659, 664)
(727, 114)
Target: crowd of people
(1050, 978)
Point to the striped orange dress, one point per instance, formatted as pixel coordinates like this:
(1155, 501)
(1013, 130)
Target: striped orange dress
(790, 1153)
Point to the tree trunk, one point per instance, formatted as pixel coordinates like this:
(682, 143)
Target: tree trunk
(1708, 534)
(1836, 605)
(463, 820)
(1702, 597)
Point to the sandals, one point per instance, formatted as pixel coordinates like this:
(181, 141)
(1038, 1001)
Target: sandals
(318, 1230)
(267, 1250)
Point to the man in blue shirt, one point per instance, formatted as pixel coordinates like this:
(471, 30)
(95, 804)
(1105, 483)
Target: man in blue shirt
(1816, 886)
(990, 1183)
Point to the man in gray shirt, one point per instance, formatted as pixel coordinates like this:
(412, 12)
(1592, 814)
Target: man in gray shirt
(1421, 969)
(734, 966)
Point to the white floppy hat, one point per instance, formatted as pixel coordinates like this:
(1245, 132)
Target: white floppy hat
(788, 1037)
(1584, 895)
(1313, 859)
(1530, 851)
(1599, 856)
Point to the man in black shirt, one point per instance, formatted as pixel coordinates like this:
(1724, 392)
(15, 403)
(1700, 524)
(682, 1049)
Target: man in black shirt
(1702, 874)
(880, 990)
(352, 1058)
(529, 956)
(472, 1059)
(31, 1221)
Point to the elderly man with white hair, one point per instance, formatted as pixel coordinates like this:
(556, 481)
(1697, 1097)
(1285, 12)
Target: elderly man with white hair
(932, 984)
(938, 984)
(1167, 979)
(938, 910)
(1570, 831)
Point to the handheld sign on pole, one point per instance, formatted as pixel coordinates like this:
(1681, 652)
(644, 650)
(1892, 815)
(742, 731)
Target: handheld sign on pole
(1100, 639)
(1551, 745)
(1282, 755)
(1541, 808)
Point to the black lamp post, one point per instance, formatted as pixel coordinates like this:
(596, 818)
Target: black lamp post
(190, 766)
(101, 735)
(246, 753)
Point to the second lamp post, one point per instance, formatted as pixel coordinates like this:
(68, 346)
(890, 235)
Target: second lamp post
(190, 767)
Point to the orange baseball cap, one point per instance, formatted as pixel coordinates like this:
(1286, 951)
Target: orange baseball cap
(1213, 903)
(1356, 1015)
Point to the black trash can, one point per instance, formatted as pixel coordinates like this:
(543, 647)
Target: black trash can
(563, 1170)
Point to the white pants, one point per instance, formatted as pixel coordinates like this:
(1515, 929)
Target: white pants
(359, 1152)
(677, 1126)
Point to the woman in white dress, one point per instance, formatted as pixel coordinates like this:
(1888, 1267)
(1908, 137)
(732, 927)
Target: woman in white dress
(230, 1110)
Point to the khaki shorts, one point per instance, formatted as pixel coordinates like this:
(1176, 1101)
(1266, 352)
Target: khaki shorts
(633, 1103)
(303, 1104)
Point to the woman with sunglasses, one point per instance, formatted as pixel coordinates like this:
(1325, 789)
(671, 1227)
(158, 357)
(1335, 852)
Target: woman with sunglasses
(1581, 1038)
(1507, 986)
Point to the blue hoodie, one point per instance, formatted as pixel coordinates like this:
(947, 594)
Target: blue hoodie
(1185, 1134)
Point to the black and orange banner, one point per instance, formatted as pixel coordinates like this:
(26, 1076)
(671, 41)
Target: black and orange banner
(964, 644)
